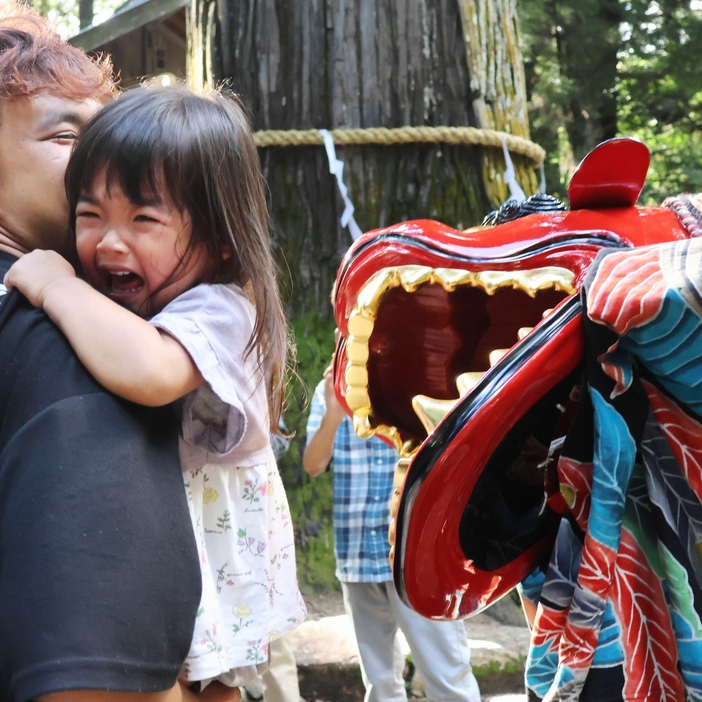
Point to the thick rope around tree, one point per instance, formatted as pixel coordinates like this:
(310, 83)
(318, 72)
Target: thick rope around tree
(403, 135)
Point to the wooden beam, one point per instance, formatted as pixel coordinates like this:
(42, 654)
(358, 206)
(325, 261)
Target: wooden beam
(124, 22)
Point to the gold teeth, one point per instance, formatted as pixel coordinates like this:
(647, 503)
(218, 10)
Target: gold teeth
(398, 481)
(363, 316)
(363, 428)
(361, 325)
(431, 411)
(496, 355)
(530, 281)
(357, 352)
(467, 381)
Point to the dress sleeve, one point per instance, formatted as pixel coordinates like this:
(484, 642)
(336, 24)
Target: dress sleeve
(213, 323)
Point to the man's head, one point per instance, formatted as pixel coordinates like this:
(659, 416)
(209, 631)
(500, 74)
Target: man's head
(48, 89)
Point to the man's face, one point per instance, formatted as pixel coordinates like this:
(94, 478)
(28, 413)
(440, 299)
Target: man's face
(36, 138)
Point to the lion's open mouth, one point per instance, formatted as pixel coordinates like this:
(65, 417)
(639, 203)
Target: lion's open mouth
(420, 338)
(467, 368)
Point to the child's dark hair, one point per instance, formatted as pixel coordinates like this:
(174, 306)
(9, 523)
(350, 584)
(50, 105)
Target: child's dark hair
(200, 148)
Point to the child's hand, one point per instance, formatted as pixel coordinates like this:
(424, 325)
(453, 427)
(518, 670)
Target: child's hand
(35, 272)
(334, 411)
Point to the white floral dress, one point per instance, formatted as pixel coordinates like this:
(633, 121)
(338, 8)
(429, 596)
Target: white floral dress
(235, 495)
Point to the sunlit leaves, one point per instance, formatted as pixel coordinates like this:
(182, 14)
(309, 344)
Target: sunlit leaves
(64, 13)
(654, 85)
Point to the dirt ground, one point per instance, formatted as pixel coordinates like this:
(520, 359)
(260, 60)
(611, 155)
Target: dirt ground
(325, 605)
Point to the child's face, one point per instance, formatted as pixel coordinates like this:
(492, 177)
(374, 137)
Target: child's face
(129, 251)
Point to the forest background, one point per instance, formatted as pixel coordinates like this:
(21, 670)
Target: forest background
(595, 69)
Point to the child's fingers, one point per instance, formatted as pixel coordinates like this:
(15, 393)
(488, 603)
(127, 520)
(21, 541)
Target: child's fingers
(14, 275)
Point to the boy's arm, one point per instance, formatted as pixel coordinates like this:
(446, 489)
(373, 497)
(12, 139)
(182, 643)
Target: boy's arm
(320, 447)
(123, 352)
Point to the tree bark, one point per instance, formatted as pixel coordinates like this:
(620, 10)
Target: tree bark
(310, 64)
(498, 84)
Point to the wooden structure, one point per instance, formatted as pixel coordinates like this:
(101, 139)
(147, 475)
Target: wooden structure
(144, 38)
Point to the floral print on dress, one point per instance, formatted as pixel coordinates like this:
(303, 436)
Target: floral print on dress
(249, 583)
(233, 489)
(257, 652)
(253, 491)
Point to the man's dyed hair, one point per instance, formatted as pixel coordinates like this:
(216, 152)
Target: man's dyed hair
(34, 59)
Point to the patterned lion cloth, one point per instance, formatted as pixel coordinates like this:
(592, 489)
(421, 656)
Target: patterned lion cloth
(619, 612)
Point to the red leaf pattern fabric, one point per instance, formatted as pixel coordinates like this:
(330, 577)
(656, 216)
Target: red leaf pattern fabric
(578, 477)
(684, 435)
(581, 633)
(628, 289)
(649, 641)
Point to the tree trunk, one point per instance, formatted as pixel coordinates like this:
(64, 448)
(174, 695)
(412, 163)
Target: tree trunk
(498, 84)
(310, 64)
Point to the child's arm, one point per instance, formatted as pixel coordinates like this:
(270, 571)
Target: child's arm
(123, 352)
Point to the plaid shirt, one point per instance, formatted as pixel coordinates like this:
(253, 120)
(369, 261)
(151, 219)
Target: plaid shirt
(363, 472)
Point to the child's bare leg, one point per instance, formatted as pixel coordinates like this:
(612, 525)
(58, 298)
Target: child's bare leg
(219, 692)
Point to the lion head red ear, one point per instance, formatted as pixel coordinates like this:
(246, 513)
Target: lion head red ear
(611, 175)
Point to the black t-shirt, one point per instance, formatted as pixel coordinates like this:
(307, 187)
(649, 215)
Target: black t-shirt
(99, 577)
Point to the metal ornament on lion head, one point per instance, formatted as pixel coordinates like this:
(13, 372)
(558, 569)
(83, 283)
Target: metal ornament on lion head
(462, 349)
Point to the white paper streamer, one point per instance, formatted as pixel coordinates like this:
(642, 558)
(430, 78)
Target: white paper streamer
(542, 184)
(515, 192)
(336, 167)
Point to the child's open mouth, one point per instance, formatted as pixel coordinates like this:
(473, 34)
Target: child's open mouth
(124, 283)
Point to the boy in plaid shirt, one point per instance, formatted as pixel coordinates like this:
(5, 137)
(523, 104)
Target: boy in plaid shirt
(363, 474)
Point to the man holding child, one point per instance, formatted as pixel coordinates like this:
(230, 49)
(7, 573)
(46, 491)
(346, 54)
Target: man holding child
(99, 580)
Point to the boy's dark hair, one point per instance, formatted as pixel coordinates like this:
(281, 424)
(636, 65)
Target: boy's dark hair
(200, 148)
(34, 59)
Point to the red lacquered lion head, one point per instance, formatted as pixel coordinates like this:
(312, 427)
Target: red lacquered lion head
(463, 350)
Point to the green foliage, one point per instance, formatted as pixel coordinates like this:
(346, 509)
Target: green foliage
(310, 498)
(64, 13)
(676, 163)
(597, 68)
(570, 55)
(660, 101)
(514, 665)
